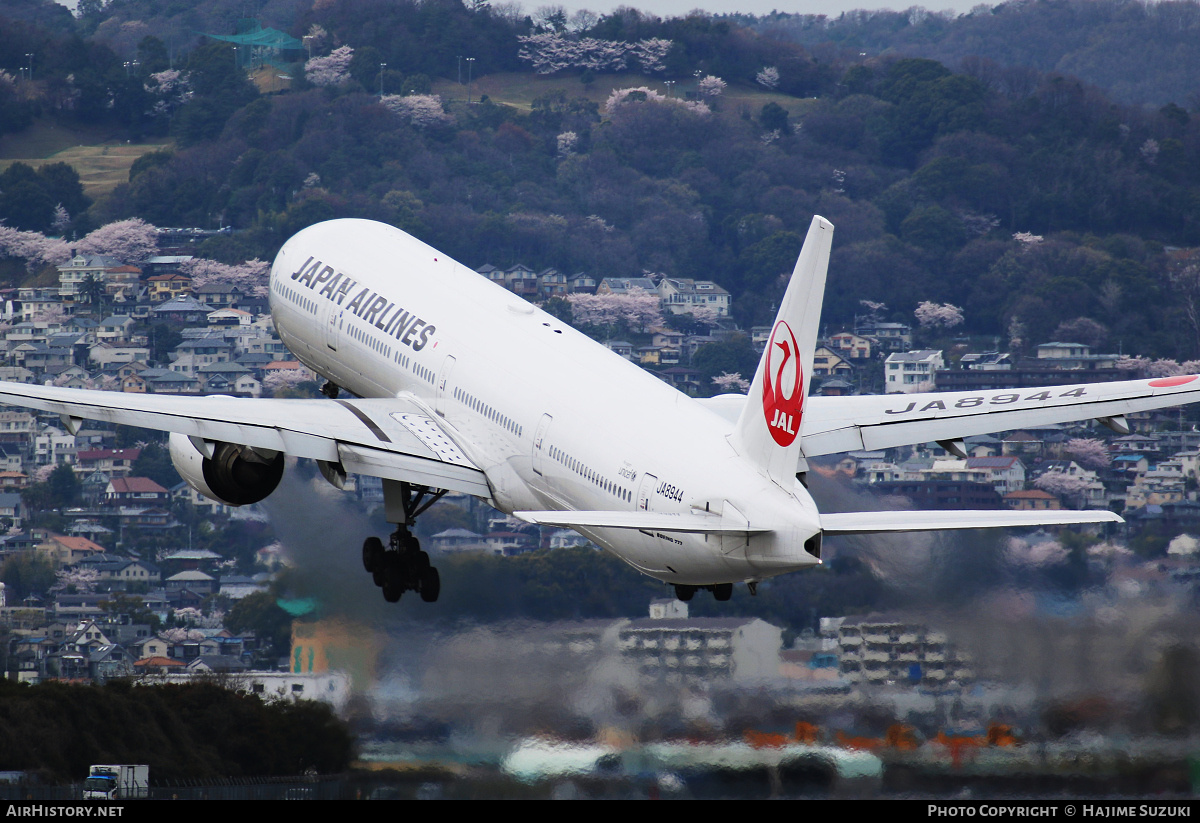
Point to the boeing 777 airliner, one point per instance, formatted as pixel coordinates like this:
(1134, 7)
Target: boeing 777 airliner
(459, 385)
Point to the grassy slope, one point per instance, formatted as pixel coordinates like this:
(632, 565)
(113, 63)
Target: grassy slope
(101, 160)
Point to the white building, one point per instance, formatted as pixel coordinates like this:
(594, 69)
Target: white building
(912, 371)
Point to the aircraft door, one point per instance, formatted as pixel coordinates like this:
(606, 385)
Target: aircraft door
(540, 443)
(443, 380)
(332, 325)
(646, 492)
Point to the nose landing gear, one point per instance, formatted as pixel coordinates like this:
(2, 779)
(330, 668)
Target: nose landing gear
(401, 565)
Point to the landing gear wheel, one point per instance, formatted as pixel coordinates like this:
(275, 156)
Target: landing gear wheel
(372, 554)
(393, 579)
(684, 593)
(431, 584)
(722, 591)
(399, 565)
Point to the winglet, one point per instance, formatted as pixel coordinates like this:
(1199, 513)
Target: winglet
(768, 430)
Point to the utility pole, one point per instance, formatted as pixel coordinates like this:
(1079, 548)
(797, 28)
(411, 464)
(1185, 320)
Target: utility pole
(470, 66)
(382, 66)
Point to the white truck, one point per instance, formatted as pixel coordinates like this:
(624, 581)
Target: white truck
(119, 782)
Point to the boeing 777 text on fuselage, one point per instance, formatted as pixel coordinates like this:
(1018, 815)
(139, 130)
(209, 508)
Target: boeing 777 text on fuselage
(461, 386)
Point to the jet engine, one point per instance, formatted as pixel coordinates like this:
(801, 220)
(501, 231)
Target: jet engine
(226, 472)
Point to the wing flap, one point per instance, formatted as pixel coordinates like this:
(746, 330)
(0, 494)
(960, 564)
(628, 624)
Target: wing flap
(924, 521)
(694, 523)
(392, 465)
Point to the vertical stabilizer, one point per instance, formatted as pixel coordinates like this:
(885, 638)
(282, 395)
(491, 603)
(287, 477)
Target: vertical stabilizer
(768, 431)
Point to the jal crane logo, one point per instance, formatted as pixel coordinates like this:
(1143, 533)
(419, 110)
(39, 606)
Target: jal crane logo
(783, 400)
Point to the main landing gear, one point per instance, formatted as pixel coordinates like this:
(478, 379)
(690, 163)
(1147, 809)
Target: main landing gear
(720, 591)
(401, 565)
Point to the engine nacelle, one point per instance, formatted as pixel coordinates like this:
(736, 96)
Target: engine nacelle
(232, 474)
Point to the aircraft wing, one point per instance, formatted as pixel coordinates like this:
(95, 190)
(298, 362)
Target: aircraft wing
(393, 438)
(923, 521)
(833, 425)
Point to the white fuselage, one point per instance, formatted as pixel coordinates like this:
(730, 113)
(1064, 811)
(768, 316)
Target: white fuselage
(555, 420)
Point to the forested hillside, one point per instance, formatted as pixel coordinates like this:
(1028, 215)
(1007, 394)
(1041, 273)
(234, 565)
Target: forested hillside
(1038, 204)
(1139, 52)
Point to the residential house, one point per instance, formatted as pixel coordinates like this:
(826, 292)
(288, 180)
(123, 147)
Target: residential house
(106, 355)
(219, 294)
(169, 286)
(684, 296)
(82, 268)
(67, 551)
(1031, 500)
(890, 337)
(135, 491)
(912, 371)
(113, 462)
(552, 283)
(625, 285)
(847, 344)
(582, 283)
(826, 363)
(181, 310)
(491, 273)
(522, 280)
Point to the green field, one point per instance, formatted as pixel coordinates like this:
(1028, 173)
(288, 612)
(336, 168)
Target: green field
(101, 160)
(521, 89)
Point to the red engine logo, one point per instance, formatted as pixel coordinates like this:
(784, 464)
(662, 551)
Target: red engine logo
(783, 398)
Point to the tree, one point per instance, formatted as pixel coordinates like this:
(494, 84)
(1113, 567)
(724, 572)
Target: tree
(1088, 452)
(260, 613)
(769, 77)
(330, 70)
(26, 573)
(935, 315)
(92, 291)
(131, 241)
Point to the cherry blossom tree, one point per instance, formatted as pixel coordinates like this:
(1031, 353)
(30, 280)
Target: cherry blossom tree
(131, 241)
(34, 248)
(551, 52)
(82, 581)
(1088, 452)
(711, 87)
(644, 94)
(1164, 367)
(62, 220)
(251, 277)
(170, 89)
(421, 110)
(330, 70)
(281, 379)
(1133, 365)
(732, 382)
(634, 310)
(1066, 486)
(651, 54)
(567, 142)
(1026, 239)
(938, 315)
(768, 77)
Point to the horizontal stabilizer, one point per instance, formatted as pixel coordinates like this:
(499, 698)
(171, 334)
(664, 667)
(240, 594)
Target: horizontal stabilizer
(693, 523)
(928, 521)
